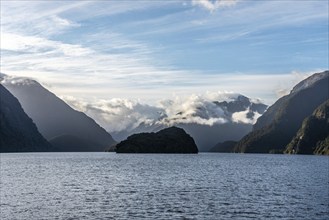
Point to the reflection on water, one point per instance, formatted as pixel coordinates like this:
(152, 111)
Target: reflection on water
(150, 186)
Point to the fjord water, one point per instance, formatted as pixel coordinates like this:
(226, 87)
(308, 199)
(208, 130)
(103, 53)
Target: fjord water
(158, 186)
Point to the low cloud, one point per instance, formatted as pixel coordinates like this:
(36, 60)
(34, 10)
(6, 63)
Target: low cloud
(199, 109)
(5, 79)
(123, 114)
(242, 117)
(282, 92)
(284, 86)
(118, 114)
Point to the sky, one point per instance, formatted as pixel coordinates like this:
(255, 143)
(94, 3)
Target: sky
(153, 50)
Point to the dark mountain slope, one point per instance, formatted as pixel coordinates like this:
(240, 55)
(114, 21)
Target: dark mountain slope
(225, 147)
(279, 124)
(55, 118)
(18, 133)
(312, 134)
(275, 112)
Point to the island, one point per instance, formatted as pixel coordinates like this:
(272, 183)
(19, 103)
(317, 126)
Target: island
(169, 140)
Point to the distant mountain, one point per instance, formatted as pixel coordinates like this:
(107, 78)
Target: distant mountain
(72, 143)
(206, 136)
(57, 121)
(225, 147)
(169, 140)
(18, 133)
(313, 136)
(236, 111)
(280, 123)
(242, 103)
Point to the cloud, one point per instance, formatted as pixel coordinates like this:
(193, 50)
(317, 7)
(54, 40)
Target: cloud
(72, 46)
(5, 79)
(242, 117)
(16, 43)
(54, 25)
(193, 109)
(214, 5)
(283, 87)
(282, 92)
(117, 115)
(38, 18)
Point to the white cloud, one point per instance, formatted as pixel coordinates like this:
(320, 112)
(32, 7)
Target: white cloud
(193, 109)
(118, 114)
(54, 25)
(242, 117)
(214, 5)
(5, 79)
(38, 45)
(108, 64)
(284, 86)
(123, 114)
(37, 18)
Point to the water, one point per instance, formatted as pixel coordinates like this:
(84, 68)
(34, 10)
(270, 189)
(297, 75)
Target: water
(130, 186)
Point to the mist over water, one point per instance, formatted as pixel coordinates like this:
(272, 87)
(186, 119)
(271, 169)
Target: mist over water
(149, 186)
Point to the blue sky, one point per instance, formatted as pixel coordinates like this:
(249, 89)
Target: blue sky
(151, 50)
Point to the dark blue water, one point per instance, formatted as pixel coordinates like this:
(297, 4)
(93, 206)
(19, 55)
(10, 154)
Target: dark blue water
(203, 186)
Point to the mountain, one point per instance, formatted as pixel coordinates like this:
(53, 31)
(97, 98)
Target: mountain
(73, 143)
(206, 136)
(225, 147)
(208, 121)
(18, 133)
(169, 140)
(280, 123)
(56, 120)
(240, 104)
(274, 112)
(313, 136)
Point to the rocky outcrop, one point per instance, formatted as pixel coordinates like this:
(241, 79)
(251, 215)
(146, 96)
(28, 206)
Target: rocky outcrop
(169, 140)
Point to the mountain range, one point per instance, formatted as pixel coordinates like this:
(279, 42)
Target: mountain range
(34, 119)
(229, 117)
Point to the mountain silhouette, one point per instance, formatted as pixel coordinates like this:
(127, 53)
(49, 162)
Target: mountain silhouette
(280, 123)
(18, 133)
(313, 136)
(57, 121)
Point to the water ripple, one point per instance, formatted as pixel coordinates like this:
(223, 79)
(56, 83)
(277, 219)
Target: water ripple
(204, 186)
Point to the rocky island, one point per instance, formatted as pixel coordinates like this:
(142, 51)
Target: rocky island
(169, 140)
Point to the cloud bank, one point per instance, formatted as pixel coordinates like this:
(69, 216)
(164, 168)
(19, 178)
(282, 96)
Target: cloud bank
(122, 114)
